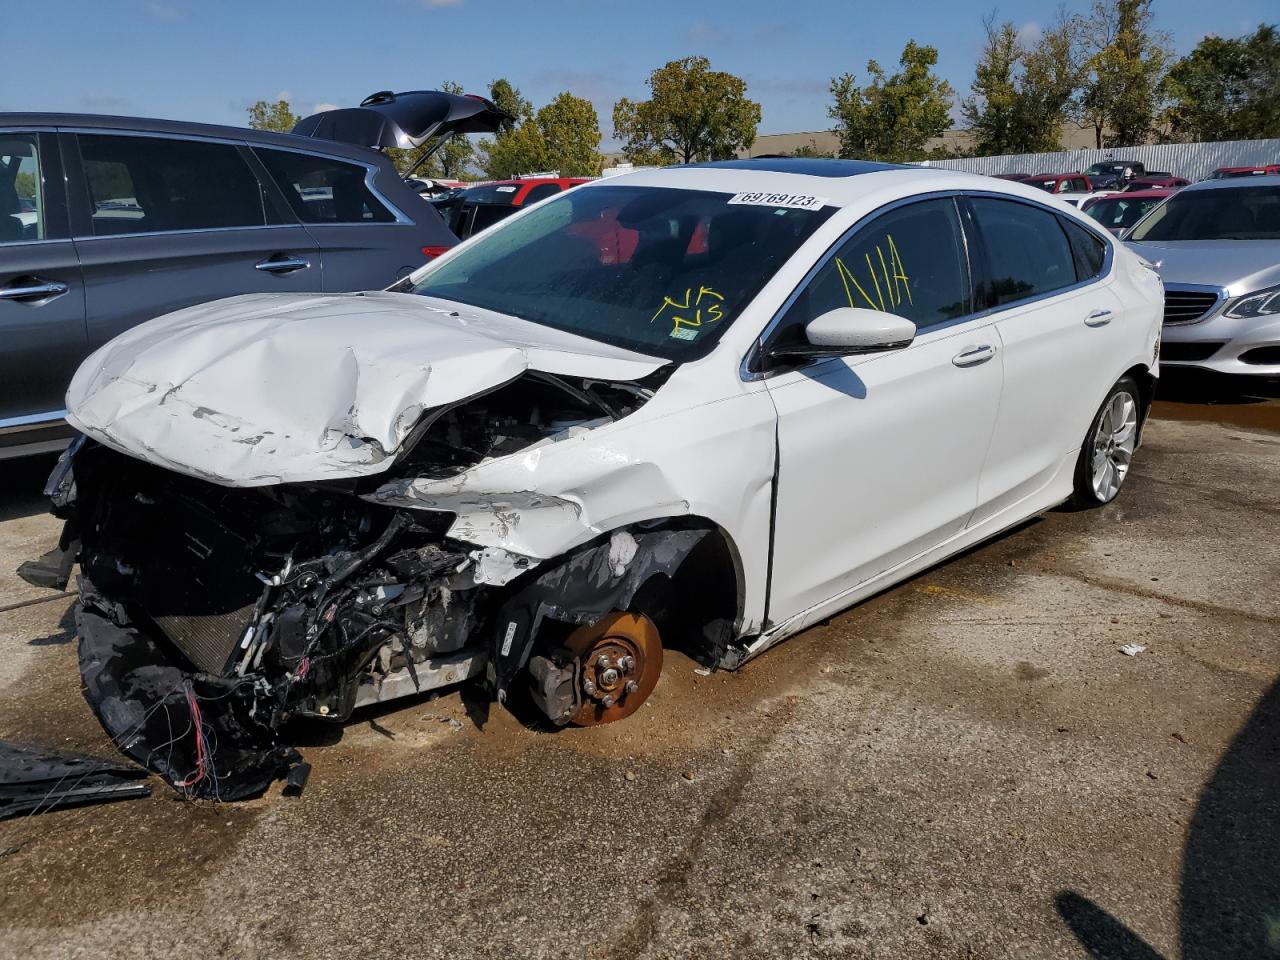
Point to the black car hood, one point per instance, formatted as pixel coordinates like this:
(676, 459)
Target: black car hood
(404, 120)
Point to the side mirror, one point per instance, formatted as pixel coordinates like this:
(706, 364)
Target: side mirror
(847, 331)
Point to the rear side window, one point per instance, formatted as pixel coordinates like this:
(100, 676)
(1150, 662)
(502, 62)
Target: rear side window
(1089, 251)
(324, 190)
(541, 192)
(151, 184)
(1027, 250)
(909, 261)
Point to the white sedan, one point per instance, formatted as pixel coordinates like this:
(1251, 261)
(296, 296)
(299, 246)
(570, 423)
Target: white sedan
(706, 405)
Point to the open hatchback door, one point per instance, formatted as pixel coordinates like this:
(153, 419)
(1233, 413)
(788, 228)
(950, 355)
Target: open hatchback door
(405, 120)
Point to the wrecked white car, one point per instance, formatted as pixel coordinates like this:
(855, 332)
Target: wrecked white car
(702, 406)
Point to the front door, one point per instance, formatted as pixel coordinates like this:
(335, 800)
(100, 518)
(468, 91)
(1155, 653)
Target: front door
(879, 456)
(42, 334)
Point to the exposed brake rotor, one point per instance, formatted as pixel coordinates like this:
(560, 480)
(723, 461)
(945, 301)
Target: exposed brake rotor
(619, 662)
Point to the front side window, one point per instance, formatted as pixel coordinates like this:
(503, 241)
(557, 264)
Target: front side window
(21, 189)
(145, 185)
(1027, 250)
(910, 262)
(324, 190)
(1241, 213)
(658, 270)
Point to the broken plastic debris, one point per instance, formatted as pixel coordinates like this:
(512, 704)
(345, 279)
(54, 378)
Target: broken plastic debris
(1132, 649)
(702, 671)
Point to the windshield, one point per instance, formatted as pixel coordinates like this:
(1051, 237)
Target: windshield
(1119, 213)
(1243, 213)
(1098, 168)
(653, 269)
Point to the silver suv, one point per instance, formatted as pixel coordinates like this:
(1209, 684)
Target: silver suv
(109, 221)
(1216, 245)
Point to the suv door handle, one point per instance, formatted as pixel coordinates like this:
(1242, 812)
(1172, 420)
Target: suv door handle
(972, 356)
(282, 264)
(34, 288)
(1099, 318)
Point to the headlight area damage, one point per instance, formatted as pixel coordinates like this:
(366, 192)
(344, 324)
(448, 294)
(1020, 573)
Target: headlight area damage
(210, 615)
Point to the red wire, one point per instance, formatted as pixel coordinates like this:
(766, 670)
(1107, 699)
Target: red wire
(196, 777)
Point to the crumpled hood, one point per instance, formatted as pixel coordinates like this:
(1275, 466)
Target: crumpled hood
(277, 388)
(1241, 266)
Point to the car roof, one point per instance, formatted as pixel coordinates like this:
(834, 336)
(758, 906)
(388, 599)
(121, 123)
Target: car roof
(1243, 183)
(1138, 194)
(838, 183)
(185, 128)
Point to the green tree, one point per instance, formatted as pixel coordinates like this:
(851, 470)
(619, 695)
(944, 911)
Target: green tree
(892, 117)
(811, 149)
(450, 162)
(1022, 95)
(1125, 61)
(1227, 89)
(506, 97)
(277, 116)
(693, 113)
(564, 135)
(24, 184)
(521, 150)
(571, 131)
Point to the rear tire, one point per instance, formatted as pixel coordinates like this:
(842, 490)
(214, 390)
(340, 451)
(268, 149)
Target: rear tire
(1108, 447)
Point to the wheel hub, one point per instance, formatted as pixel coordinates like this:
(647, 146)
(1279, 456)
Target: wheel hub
(619, 661)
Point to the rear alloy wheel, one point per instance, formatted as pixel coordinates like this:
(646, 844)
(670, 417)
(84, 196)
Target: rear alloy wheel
(619, 662)
(1108, 449)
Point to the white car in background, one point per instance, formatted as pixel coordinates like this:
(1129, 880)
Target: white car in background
(708, 405)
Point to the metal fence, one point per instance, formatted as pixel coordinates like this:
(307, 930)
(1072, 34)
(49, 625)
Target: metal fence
(1195, 161)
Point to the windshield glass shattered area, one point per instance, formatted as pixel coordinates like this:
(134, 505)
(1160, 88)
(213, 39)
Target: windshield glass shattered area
(1246, 213)
(657, 270)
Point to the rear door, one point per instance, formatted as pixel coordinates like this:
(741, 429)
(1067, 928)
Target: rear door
(42, 333)
(366, 243)
(1045, 284)
(165, 222)
(879, 455)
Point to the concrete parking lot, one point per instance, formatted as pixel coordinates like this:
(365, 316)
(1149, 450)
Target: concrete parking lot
(964, 767)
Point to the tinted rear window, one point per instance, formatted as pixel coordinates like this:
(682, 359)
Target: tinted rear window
(501, 193)
(324, 190)
(146, 184)
(1027, 250)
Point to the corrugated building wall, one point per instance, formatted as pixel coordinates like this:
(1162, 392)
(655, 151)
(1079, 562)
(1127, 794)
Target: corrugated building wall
(1195, 161)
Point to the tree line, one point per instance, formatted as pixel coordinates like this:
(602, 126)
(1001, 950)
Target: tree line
(1110, 69)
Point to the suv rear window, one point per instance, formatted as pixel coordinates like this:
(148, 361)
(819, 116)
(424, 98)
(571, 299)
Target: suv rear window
(153, 184)
(322, 189)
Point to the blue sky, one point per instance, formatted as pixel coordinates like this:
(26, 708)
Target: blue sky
(207, 61)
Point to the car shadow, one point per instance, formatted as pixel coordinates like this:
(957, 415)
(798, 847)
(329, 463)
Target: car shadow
(1230, 885)
(22, 486)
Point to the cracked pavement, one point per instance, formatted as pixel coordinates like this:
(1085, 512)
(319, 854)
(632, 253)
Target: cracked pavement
(963, 767)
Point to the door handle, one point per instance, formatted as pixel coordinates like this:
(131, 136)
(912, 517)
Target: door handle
(282, 264)
(1099, 318)
(972, 356)
(34, 288)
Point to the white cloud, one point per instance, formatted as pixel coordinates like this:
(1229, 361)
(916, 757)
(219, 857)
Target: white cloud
(324, 107)
(165, 11)
(1030, 33)
(284, 95)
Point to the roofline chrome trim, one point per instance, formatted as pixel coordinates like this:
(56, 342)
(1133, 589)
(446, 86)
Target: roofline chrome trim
(1108, 267)
(32, 421)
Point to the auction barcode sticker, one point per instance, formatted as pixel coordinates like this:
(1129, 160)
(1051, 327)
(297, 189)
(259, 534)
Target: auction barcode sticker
(795, 201)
